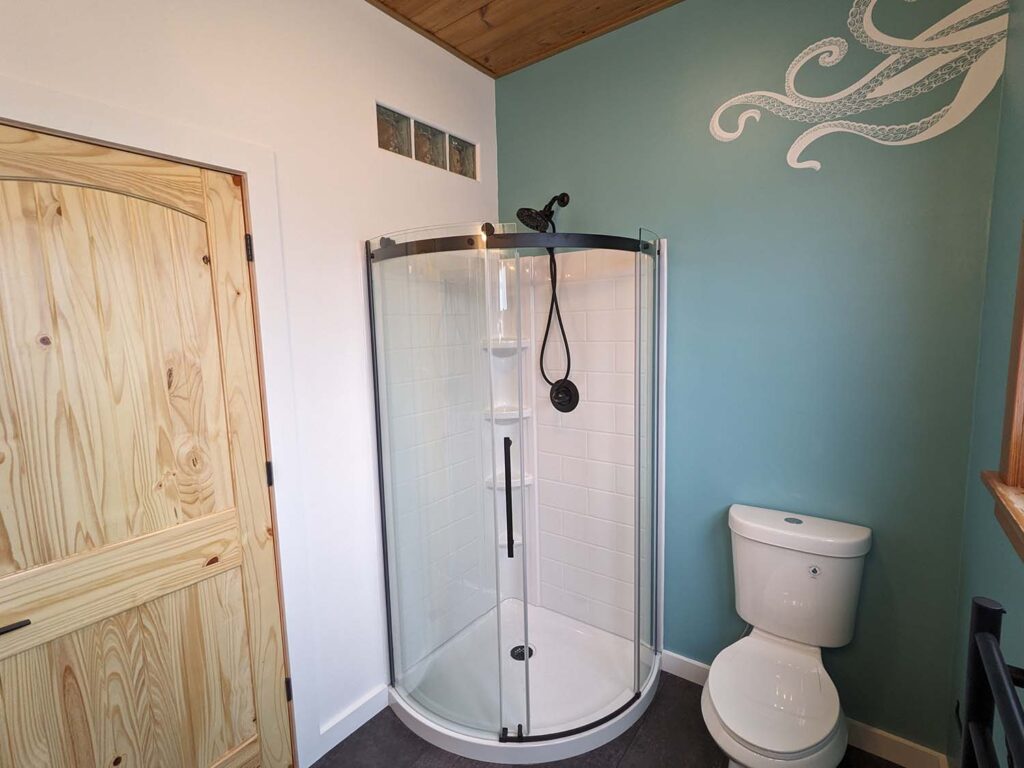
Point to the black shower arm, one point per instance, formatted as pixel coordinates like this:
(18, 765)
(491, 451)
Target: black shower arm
(550, 207)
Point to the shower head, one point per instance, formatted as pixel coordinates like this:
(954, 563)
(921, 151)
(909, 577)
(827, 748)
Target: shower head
(542, 220)
(534, 219)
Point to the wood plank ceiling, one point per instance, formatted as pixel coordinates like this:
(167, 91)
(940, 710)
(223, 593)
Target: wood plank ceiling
(501, 36)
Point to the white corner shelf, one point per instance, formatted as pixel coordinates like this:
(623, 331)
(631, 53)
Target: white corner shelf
(504, 346)
(527, 481)
(507, 414)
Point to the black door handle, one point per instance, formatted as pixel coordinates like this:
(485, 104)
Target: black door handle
(14, 626)
(508, 497)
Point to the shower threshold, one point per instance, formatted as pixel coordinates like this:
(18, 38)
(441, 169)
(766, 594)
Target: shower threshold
(579, 675)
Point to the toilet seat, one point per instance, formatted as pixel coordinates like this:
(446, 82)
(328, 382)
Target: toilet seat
(774, 698)
(828, 755)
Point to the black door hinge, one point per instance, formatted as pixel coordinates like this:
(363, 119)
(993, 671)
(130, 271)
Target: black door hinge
(270, 474)
(249, 255)
(288, 688)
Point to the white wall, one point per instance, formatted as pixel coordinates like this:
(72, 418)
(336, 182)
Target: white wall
(300, 80)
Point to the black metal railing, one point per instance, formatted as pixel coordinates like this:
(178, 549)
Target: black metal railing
(990, 691)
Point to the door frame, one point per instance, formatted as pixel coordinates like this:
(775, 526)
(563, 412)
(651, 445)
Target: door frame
(38, 109)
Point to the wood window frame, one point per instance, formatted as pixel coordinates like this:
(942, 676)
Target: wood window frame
(1007, 485)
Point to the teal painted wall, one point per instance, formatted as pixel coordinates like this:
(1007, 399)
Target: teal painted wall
(823, 326)
(991, 567)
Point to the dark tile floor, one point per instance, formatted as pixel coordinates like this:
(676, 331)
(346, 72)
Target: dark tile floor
(671, 733)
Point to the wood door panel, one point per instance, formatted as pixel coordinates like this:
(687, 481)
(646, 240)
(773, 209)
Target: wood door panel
(201, 627)
(35, 156)
(79, 700)
(154, 353)
(114, 344)
(36, 732)
(73, 465)
(96, 680)
(136, 686)
(178, 306)
(138, 562)
(24, 536)
(6, 756)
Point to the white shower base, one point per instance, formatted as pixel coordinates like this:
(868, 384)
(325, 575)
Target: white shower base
(578, 675)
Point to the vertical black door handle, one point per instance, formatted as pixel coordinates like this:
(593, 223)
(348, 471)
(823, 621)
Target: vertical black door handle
(508, 497)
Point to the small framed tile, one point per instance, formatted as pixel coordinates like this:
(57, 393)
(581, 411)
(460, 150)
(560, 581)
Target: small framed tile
(429, 145)
(461, 157)
(394, 131)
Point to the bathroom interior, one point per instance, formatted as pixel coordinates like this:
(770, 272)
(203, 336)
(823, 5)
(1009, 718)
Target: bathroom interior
(495, 382)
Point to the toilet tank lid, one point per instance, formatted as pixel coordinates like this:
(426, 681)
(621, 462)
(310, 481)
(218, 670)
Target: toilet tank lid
(814, 535)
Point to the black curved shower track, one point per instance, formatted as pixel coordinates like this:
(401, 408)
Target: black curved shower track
(389, 249)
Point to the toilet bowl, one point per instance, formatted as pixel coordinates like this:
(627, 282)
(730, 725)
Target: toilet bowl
(768, 700)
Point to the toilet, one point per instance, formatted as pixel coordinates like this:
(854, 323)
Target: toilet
(768, 700)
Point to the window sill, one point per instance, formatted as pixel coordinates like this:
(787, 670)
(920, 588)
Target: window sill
(1009, 508)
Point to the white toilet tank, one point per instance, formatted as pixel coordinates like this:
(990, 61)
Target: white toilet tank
(797, 576)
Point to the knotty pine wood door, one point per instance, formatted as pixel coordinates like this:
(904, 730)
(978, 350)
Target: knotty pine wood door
(138, 575)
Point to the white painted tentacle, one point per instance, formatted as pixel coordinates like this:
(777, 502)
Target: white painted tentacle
(828, 52)
(891, 135)
(979, 82)
(968, 42)
(888, 84)
(722, 134)
(960, 30)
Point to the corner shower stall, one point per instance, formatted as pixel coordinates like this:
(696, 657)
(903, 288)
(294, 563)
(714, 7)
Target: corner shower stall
(521, 539)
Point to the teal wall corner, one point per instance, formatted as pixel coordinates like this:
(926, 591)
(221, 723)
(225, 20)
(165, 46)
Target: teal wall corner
(823, 325)
(990, 566)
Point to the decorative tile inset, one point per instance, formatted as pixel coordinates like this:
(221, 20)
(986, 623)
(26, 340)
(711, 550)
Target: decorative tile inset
(393, 129)
(461, 157)
(430, 145)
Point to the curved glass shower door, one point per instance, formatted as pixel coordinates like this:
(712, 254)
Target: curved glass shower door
(590, 612)
(507, 354)
(446, 347)
(521, 531)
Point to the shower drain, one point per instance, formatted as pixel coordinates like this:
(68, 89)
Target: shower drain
(519, 652)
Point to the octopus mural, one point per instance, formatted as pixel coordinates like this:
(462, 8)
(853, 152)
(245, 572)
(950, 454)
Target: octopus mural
(970, 43)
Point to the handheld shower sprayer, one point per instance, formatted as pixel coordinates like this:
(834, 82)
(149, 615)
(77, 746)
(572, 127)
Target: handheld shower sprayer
(564, 394)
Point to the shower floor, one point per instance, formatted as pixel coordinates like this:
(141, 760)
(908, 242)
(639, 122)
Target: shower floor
(578, 674)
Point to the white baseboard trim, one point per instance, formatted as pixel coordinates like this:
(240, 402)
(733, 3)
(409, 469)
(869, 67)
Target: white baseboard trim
(889, 747)
(894, 748)
(688, 669)
(345, 723)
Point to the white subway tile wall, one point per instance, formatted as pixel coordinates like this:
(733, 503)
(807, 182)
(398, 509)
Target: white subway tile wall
(586, 458)
(430, 331)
